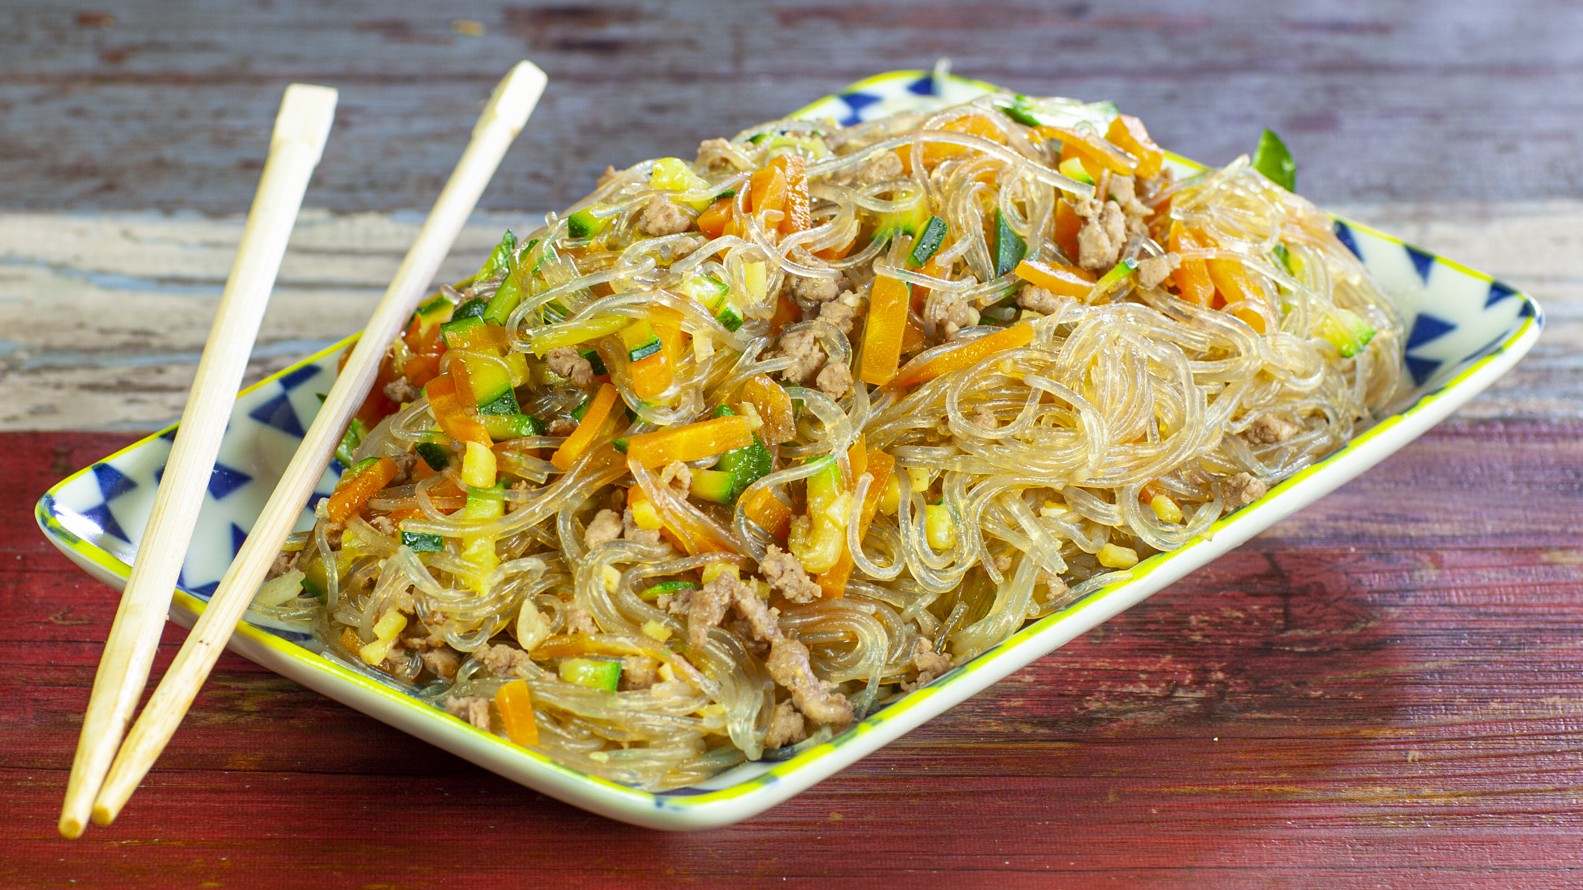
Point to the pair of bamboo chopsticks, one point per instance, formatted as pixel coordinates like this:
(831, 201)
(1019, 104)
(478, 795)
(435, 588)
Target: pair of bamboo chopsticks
(103, 778)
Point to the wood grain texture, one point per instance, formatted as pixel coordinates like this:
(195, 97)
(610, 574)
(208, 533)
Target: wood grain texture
(1364, 695)
(1385, 689)
(131, 298)
(145, 105)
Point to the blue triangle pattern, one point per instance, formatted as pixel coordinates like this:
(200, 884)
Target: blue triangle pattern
(1498, 292)
(237, 537)
(279, 413)
(293, 379)
(923, 86)
(857, 102)
(1421, 368)
(1422, 261)
(169, 435)
(112, 482)
(101, 516)
(1427, 327)
(1344, 235)
(225, 480)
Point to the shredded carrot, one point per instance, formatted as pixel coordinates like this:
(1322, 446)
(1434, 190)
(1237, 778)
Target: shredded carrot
(774, 407)
(798, 216)
(687, 528)
(350, 641)
(786, 312)
(353, 492)
(479, 337)
(1192, 279)
(514, 701)
(420, 369)
(913, 338)
(712, 222)
(1235, 284)
(884, 331)
(588, 429)
(653, 375)
(1057, 278)
(881, 466)
(1086, 148)
(768, 512)
(1067, 225)
(692, 441)
(935, 152)
(926, 368)
(767, 196)
(1127, 133)
(451, 414)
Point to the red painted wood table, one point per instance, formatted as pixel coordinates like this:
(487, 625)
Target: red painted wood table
(1385, 689)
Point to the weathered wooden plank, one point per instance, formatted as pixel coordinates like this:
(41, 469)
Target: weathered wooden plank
(102, 317)
(166, 107)
(1368, 693)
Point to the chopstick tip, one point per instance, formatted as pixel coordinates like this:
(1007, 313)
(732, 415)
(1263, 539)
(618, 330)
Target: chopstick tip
(71, 827)
(515, 97)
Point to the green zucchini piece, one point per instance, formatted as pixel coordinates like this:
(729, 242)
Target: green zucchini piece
(349, 442)
(1274, 160)
(903, 222)
(1347, 331)
(640, 340)
(1009, 246)
(470, 309)
(501, 259)
(419, 542)
(503, 405)
(714, 485)
(437, 456)
(596, 673)
(654, 591)
(511, 426)
(584, 224)
(929, 241)
(456, 329)
(1020, 111)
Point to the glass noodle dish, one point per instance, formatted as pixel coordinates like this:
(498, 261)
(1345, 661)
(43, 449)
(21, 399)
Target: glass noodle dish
(741, 448)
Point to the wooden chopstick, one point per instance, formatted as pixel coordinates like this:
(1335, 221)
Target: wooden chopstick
(505, 115)
(301, 128)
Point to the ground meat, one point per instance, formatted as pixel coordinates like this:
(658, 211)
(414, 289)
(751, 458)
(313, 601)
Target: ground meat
(945, 313)
(401, 391)
(930, 664)
(707, 605)
(1103, 234)
(678, 476)
(1037, 299)
(763, 622)
(815, 290)
(985, 417)
(502, 660)
(675, 604)
(786, 727)
(715, 154)
(789, 666)
(332, 534)
(883, 166)
(1152, 271)
(807, 356)
(1124, 191)
(472, 708)
(840, 312)
(785, 574)
(441, 662)
(835, 380)
(565, 361)
(1241, 490)
(638, 672)
(561, 426)
(631, 531)
(1267, 429)
(284, 563)
(382, 524)
(579, 621)
(685, 247)
(661, 217)
(602, 529)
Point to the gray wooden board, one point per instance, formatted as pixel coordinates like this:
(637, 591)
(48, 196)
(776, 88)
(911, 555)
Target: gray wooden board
(103, 316)
(142, 105)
